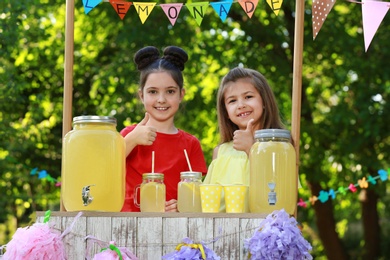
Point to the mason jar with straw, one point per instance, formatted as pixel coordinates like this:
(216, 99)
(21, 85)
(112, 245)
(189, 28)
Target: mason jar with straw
(188, 196)
(152, 197)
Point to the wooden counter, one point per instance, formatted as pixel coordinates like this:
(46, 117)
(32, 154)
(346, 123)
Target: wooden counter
(151, 235)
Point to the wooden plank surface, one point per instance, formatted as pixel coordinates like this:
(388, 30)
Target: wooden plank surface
(151, 235)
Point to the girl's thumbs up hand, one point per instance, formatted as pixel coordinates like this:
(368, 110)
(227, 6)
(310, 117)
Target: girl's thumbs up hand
(243, 139)
(142, 134)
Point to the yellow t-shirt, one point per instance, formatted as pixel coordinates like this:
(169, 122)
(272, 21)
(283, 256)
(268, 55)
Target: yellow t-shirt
(230, 167)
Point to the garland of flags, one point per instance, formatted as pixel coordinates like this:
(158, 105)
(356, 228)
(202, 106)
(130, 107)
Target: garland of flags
(331, 193)
(373, 12)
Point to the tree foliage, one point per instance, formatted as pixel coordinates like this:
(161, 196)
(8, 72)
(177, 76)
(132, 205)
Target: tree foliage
(345, 108)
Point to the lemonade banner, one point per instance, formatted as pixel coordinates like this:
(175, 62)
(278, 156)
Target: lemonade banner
(172, 10)
(373, 12)
(362, 183)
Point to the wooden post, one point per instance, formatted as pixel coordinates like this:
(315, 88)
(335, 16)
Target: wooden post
(297, 78)
(68, 73)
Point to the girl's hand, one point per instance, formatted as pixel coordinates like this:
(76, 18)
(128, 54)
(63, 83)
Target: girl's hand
(244, 139)
(171, 206)
(141, 135)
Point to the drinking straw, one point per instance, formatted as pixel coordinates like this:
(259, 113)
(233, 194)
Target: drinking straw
(188, 160)
(152, 161)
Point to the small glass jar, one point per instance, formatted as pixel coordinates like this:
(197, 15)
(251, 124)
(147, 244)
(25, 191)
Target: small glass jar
(93, 165)
(152, 194)
(273, 181)
(188, 192)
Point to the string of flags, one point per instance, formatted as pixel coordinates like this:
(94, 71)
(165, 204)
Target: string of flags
(42, 174)
(373, 12)
(331, 193)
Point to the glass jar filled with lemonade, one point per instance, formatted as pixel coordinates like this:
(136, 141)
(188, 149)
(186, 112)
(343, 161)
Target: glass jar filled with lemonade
(273, 180)
(152, 193)
(93, 165)
(188, 193)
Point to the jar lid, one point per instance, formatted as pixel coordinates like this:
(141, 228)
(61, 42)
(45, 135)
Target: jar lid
(153, 176)
(196, 175)
(270, 133)
(94, 119)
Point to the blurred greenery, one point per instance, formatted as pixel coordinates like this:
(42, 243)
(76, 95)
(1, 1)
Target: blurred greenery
(345, 108)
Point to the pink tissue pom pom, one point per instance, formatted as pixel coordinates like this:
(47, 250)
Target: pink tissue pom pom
(36, 242)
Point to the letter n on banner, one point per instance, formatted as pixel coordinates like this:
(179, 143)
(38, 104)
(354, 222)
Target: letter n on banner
(249, 6)
(121, 7)
(172, 11)
(198, 10)
(143, 9)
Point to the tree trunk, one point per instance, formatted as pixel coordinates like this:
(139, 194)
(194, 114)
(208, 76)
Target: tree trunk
(370, 221)
(327, 227)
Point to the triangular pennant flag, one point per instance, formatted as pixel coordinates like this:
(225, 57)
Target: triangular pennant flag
(198, 10)
(222, 8)
(320, 10)
(275, 5)
(249, 6)
(373, 13)
(90, 4)
(120, 7)
(172, 11)
(143, 9)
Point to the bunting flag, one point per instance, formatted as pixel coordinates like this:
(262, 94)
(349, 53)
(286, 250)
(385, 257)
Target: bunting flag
(121, 7)
(363, 183)
(373, 13)
(143, 9)
(198, 10)
(90, 4)
(320, 10)
(275, 5)
(249, 6)
(222, 9)
(172, 11)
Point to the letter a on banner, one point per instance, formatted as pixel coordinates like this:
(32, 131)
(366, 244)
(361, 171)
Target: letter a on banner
(222, 8)
(198, 10)
(249, 6)
(143, 10)
(121, 7)
(172, 11)
(90, 4)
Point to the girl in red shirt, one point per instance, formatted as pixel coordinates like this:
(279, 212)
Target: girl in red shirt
(161, 92)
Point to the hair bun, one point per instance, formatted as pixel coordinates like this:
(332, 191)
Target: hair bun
(176, 55)
(146, 56)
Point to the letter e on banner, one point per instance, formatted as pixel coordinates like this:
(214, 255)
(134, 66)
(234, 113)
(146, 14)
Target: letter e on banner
(120, 7)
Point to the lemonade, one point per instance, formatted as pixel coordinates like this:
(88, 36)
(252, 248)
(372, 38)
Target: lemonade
(273, 181)
(93, 163)
(189, 197)
(152, 197)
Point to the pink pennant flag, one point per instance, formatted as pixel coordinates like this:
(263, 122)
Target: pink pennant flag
(320, 10)
(249, 6)
(373, 13)
(172, 11)
(120, 7)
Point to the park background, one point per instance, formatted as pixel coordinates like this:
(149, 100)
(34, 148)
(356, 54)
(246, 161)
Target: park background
(345, 102)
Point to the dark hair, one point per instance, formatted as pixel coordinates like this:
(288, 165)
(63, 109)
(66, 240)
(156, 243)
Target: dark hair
(148, 61)
(270, 117)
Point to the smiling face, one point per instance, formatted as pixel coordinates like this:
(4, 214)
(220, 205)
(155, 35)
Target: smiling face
(161, 96)
(243, 102)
